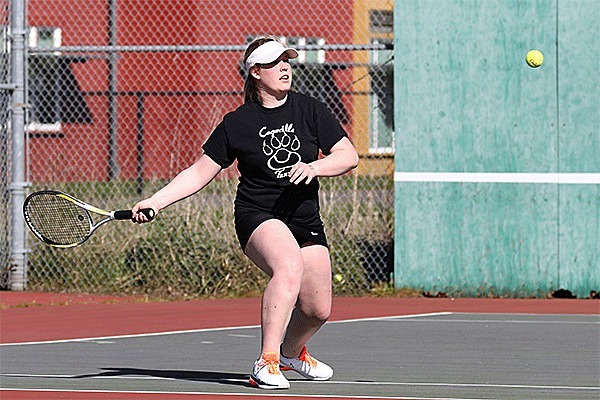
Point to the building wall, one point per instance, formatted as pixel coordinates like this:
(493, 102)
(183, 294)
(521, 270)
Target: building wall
(176, 97)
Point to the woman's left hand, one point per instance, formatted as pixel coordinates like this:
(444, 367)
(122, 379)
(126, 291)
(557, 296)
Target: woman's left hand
(302, 172)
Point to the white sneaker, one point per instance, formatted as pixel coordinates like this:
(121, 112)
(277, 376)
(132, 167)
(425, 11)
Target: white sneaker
(307, 366)
(266, 373)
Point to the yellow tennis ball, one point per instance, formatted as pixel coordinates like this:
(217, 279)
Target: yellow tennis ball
(534, 58)
(338, 278)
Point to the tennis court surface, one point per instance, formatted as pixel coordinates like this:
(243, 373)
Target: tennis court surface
(82, 347)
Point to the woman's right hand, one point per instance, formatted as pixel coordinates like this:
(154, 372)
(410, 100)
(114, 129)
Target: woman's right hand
(139, 217)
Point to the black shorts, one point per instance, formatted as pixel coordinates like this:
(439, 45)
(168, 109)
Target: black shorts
(247, 219)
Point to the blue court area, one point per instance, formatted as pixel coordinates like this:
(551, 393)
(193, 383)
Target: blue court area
(440, 355)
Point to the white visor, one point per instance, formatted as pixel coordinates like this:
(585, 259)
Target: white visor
(267, 53)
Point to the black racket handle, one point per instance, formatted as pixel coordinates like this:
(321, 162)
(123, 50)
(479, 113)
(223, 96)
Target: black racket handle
(127, 214)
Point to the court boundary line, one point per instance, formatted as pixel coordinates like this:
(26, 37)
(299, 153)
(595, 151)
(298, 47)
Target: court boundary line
(185, 331)
(467, 385)
(279, 394)
(515, 321)
(349, 383)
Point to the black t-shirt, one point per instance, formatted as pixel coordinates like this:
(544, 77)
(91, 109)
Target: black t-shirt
(267, 142)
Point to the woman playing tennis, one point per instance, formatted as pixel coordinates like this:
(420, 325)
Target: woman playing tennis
(276, 136)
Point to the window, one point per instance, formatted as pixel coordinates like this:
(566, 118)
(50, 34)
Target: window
(382, 100)
(381, 21)
(307, 56)
(54, 94)
(43, 114)
(314, 76)
(45, 37)
(381, 27)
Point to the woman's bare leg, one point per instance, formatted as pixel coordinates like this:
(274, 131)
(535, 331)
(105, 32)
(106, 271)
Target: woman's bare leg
(314, 300)
(273, 248)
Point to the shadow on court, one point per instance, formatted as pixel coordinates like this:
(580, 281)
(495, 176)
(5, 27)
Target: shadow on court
(225, 378)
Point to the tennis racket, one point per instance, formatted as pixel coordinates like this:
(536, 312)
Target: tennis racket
(61, 220)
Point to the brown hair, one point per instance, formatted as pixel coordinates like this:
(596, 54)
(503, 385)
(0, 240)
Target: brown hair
(250, 87)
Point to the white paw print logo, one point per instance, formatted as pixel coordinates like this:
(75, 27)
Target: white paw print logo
(281, 146)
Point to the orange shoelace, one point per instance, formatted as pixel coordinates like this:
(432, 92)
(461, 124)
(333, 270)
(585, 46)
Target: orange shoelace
(304, 356)
(271, 361)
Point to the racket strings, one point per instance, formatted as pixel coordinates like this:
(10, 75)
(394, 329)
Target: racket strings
(58, 220)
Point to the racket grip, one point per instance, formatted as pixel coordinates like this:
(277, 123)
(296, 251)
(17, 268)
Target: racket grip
(127, 214)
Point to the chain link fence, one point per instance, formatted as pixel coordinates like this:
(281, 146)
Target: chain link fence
(122, 94)
(5, 95)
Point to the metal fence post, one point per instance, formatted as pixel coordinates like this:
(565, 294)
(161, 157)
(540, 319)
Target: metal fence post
(18, 33)
(113, 162)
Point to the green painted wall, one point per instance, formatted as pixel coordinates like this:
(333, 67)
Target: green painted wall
(579, 143)
(465, 101)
